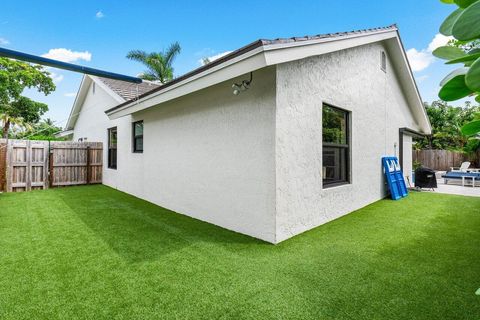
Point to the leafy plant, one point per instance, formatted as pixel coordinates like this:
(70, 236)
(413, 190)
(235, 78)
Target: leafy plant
(159, 64)
(15, 109)
(446, 121)
(464, 25)
(416, 164)
(43, 130)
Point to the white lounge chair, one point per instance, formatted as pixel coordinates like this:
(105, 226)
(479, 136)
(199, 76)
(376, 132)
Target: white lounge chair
(463, 167)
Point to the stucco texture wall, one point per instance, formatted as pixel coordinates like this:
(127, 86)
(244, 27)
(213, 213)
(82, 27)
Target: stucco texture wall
(92, 123)
(353, 80)
(210, 155)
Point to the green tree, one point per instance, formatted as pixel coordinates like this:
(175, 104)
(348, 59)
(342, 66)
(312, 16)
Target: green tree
(159, 64)
(15, 109)
(446, 121)
(43, 130)
(464, 25)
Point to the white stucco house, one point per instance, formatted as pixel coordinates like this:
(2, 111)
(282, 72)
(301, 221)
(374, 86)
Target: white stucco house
(298, 144)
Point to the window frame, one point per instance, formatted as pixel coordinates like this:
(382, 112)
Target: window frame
(344, 147)
(135, 137)
(383, 61)
(109, 149)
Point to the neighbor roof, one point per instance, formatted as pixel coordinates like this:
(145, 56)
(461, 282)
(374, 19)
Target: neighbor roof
(128, 90)
(120, 91)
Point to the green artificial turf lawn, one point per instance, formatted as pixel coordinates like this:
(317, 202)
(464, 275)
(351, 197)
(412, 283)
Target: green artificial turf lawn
(95, 253)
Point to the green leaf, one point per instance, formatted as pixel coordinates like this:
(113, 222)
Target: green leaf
(448, 52)
(477, 98)
(478, 292)
(466, 58)
(467, 25)
(447, 25)
(454, 89)
(447, 1)
(471, 128)
(472, 78)
(453, 74)
(464, 3)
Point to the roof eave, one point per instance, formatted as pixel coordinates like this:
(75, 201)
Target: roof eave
(79, 98)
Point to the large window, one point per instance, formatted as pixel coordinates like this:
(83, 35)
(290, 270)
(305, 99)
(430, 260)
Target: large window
(336, 146)
(137, 133)
(112, 148)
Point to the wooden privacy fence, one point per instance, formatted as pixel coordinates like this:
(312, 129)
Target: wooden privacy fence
(30, 165)
(441, 160)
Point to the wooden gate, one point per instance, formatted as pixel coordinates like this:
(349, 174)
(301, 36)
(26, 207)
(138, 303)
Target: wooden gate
(34, 165)
(74, 163)
(26, 165)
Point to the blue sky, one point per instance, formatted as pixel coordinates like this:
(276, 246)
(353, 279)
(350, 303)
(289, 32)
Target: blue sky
(100, 33)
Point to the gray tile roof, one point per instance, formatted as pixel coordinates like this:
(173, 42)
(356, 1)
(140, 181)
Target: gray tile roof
(326, 35)
(127, 90)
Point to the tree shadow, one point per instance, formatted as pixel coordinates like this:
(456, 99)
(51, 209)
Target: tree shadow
(140, 231)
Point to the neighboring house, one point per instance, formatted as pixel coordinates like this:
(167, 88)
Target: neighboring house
(255, 161)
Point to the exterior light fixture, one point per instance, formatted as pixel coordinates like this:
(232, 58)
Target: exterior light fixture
(243, 86)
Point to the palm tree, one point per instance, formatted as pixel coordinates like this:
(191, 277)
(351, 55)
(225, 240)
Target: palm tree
(159, 64)
(8, 121)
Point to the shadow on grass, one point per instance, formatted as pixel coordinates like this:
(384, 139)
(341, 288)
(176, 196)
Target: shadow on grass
(141, 231)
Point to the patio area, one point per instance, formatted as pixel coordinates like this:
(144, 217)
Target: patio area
(455, 187)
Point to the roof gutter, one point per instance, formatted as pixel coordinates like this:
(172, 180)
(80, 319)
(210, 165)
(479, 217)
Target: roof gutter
(7, 53)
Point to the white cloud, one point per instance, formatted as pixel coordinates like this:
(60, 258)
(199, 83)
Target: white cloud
(56, 77)
(4, 41)
(67, 55)
(99, 14)
(214, 57)
(422, 59)
(422, 78)
(70, 94)
(419, 60)
(438, 41)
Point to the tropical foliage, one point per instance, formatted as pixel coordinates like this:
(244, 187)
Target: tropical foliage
(159, 64)
(43, 130)
(15, 109)
(463, 24)
(447, 121)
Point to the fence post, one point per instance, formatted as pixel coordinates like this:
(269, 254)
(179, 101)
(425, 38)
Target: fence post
(88, 165)
(50, 168)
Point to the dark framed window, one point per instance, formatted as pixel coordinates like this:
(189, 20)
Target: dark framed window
(112, 148)
(137, 136)
(336, 146)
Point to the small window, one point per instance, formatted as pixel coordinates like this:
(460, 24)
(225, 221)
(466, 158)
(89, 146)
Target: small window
(383, 61)
(336, 146)
(137, 130)
(112, 148)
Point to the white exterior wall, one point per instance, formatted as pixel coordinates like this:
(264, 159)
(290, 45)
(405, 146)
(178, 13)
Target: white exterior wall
(352, 80)
(92, 123)
(209, 155)
(408, 159)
